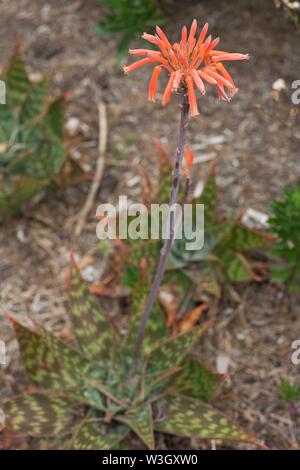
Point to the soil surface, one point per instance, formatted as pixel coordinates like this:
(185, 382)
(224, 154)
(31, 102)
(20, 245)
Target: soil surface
(255, 140)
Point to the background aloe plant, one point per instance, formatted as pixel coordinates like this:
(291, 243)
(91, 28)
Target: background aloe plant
(31, 137)
(84, 397)
(227, 255)
(285, 224)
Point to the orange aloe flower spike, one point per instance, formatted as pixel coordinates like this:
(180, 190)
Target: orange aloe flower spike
(202, 35)
(190, 63)
(198, 82)
(163, 37)
(192, 96)
(223, 71)
(192, 33)
(167, 94)
(183, 35)
(137, 65)
(153, 82)
(189, 156)
(229, 56)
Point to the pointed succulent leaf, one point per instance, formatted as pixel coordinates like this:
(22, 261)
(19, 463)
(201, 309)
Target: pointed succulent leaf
(7, 124)
(49, 362)
(44, 161)
(16, 192)
(236, 267)
(54, 119)
(160, 382)
(156, 326)
(93, 329)
(141, 422)
(17, 81)
(39, 414)
(244, 239)
(93, 436)
(34, 102)
(188, 417)
(138, 249)
(169, 352)
(196, 380)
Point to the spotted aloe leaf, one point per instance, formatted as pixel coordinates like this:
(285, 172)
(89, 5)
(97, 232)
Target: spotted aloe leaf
(196, 380)
(141, 422)
(156, 325)
(17, 81)
(15, 192)
(235, 267)
(31, 131)
(243, 239)
(54, 118)
(49, 362)
(93, 329)
(169, 352)
(39, 414)
(43, 161)
(34, 103)
(95, 436)
(188, 417)
(7, 122)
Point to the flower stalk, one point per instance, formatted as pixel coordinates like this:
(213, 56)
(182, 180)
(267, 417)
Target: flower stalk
(168, 241)
(192, 63)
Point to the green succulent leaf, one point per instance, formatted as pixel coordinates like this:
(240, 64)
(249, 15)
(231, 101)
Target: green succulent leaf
(141, 422)
(138, 249)
(8, 122)
(31, 134)
(54, 119)
(243, 239)
(188, 417)
(94, 436)
(285, 225)
(236, 267)
(34, 103)
(49, 362)
(93, 329)
(169, 352)
(156, 326)
(44, 161)
(17, 81)
(39, 414)
(196, 380)
(16, 192)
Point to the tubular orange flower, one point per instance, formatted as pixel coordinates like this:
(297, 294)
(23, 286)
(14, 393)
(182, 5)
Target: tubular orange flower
(190, 62)
(189, 157)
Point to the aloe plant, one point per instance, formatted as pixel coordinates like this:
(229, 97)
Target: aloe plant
(226, 257)
(285, 224)
(31, 137)
(82, 395)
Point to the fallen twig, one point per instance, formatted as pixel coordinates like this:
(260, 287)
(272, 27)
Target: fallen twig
(99, 168)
